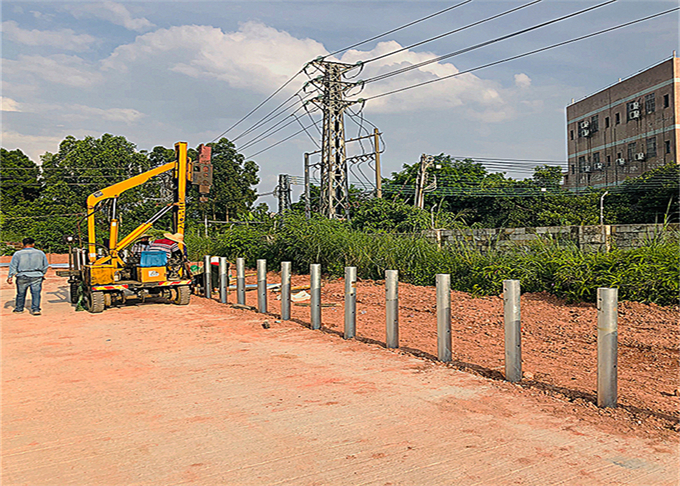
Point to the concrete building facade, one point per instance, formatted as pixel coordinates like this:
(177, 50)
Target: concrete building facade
(624, 130)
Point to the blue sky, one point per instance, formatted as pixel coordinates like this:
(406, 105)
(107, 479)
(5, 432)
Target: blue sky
(159, 72)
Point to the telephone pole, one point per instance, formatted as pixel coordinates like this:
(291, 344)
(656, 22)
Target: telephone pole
(425, 162)
(334, 201)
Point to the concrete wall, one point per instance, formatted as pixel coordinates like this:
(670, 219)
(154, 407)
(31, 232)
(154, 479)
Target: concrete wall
(588, 238)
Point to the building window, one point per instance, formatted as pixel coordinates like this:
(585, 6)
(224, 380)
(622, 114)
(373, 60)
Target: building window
(633, 110)
(596, 160)
(571, 134)
(581, 164)
(617, 119)
(631, 151)
(618, 155)
(594, 123)
(650, 103)
(606, 122)
(609, 160)
(668, 146)
(573, 168)
(666, 101)
(651, 147)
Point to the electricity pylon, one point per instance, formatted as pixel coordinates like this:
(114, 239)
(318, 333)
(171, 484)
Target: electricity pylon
(332, 102)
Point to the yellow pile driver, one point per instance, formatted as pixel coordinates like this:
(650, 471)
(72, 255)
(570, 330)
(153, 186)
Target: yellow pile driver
(103, 278)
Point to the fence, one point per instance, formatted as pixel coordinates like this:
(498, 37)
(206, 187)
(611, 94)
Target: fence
(607, 316)
(587, 238)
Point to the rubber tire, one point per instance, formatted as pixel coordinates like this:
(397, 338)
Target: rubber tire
(183, 295)
(74, 287)
(96, 302)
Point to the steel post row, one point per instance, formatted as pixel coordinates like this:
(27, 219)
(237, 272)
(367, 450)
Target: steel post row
(207, 277)
(241, 281)
(315, 291)
(350, 302)
(392, 308)
(285, 291)
(513, 330)
(262, 286)
(607, 347)
(224, 279)
(443, 281)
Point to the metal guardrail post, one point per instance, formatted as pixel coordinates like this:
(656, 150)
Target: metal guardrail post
(241, 281)
(207, 277)
(350, 302)
(285, 291)
(392, 308)
(224, 279)
(315, 290)
(262, 286)
(607, 347)
(513, 330)
(443, 317)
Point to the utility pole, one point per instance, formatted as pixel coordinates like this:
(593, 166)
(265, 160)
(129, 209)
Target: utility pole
(284, 193)
(334, 201)
(378, 176)
(308, 193)
(425, 162)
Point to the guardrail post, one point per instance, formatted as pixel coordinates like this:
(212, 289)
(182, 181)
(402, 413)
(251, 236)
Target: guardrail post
(513, 330)
(285, 291)
(224, 279)
(315, 290)
(262, 286)
(207, 277)
(607, 346)
(392, 308)
(350, 302)
(241, 281)
(443, 317)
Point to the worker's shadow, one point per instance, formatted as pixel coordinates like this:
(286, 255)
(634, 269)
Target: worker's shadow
(59, 296)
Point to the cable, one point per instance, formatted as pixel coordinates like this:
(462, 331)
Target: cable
(398, 28)
(281, 141)
(258, 106)
(576, 39)
(264, 135)
(306, 131)
(483, 44)
(451, 32)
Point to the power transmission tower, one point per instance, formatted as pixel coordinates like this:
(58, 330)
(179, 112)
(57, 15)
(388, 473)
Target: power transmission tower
(332, 102)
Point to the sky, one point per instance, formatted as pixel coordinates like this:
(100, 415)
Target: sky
(159, 72)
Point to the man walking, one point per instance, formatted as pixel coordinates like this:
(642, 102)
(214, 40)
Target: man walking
(30, 266)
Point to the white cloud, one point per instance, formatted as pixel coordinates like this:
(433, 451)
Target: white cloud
(8, 104)
(65, 39)
(32, 145)
(522, 80)
(113, 12)
(61, 69)
(82, 112)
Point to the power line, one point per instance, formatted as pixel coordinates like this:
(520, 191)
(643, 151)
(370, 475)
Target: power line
(483, 44)
(397, 29)
(268, 133)
(445, 34)
(576, 39)
(284, 140)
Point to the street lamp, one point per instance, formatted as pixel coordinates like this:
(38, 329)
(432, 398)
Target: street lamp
(602, 207)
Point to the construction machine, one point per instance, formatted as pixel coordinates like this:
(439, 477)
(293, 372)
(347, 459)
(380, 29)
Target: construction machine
(101, 276)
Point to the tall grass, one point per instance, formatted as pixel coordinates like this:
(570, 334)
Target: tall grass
(647, 274)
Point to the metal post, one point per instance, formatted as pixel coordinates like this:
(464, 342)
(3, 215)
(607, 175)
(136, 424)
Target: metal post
(285, 291)
(607, 337)
(513, 330)
(207, 277)
(350, 302)
(308, 203)
(392, 308)
(315, 290)
(224, 279)
(262, 286)
(378, 176)
(443, 317)
(241, 281)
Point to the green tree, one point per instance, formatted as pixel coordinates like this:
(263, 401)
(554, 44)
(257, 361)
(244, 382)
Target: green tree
(19, 176)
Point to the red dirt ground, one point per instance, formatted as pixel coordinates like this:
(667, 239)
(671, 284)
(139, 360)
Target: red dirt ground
(559, 345)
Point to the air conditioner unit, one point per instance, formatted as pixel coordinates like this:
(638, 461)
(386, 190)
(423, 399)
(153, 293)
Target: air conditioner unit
(584, 124)
(635, 105)
(621, 161)
(587, 168)
(634, 114)
(598, 166)
(585, 132)
(640, 156)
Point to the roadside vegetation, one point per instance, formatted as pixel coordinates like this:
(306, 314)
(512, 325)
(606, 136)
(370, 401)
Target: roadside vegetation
(47, 201)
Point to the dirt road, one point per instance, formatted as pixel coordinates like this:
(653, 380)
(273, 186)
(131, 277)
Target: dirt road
(203, 394)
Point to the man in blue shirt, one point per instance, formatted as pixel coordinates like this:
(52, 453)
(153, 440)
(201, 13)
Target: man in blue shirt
(30, 266)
